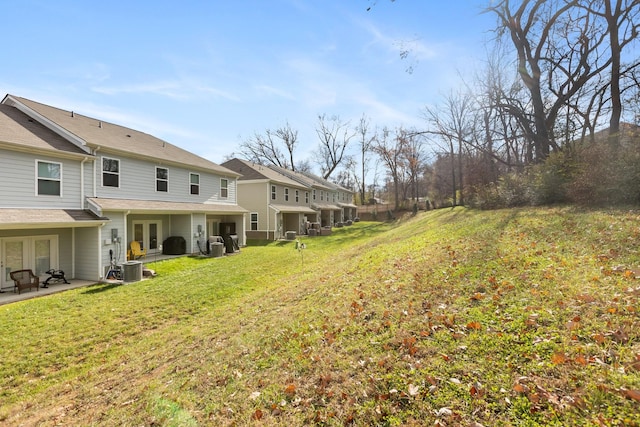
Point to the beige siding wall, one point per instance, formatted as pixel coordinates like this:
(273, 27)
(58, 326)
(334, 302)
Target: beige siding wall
(281, 198)
(255, 198)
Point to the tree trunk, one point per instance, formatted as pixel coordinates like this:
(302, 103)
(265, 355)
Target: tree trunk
(616, 103)
(453, 172)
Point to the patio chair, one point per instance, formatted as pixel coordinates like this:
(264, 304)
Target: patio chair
(24, 279)
(135, 251)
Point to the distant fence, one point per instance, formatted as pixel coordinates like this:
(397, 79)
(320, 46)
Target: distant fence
(375, 212)
(381, 211)
(378, 207)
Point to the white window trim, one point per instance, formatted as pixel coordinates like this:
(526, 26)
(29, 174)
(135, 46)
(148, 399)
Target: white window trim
(102, 171)
(38, 178)
(163, 180)
(251, 222)
(191, 183)
(274, 192)
(286, 194)
(224, 188)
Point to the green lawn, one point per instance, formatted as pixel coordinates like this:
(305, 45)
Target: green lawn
(452, 317)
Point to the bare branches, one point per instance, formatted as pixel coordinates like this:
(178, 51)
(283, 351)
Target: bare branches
(334, 135)
(272, 147)
(365, 142)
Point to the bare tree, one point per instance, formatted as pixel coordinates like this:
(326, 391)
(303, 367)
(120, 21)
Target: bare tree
(415, 160)
(454, 123)
(621, 24)
(500, 102)
(303, 166)
(365, 143)
(391, 150)
(564, 48)
(273, 147)
(334, 135)
(529, 27)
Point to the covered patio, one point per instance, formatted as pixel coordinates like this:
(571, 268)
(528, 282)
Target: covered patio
(8, 296)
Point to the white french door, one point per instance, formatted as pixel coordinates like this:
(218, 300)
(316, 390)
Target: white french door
(213, 228)
(38, 253)
(148, 234)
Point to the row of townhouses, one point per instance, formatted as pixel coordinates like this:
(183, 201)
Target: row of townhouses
(77, 191)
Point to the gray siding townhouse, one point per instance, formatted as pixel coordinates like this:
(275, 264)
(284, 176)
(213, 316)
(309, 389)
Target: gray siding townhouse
(75, 192)
(339, 196)
(322, 200)
(276, 204)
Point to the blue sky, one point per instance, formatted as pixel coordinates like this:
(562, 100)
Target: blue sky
(206, 75)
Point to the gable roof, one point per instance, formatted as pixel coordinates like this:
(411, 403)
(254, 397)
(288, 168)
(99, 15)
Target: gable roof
(253, 171)
(328, 183)
(23, 133)
(299, 177)
(91, 134)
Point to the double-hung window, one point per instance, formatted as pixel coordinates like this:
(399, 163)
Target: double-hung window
(297, 196)
(162, 179)
(49, 178)
(306, 197)
(224, 188)
(110, 172)
(254, 221)
(194, 180)
(286, 194)
(273, 192)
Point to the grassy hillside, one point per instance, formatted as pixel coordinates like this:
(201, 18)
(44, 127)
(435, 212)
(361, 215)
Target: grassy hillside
(452, 317)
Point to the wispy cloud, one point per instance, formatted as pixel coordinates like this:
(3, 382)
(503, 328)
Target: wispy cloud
(400, 44)
(144, 123)
(173, 89)
(271, 90)
(94, 72)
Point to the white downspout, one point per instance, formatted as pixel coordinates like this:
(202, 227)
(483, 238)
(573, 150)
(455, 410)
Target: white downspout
(95, 172)
(100, 266)
(82, 182)
(268, 194)
(126, 237)
(73, 230)
(73, 252)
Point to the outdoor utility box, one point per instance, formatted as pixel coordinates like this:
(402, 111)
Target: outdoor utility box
(215, 246)
(216, 249)
(132, 271)
(291, 235)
